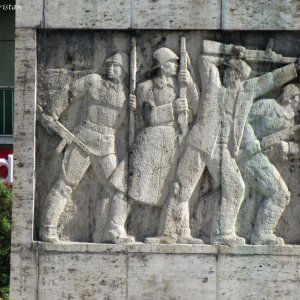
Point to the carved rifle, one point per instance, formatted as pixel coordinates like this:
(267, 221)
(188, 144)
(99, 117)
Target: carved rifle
(60, 130)
(219, 49)
(279, 136)
(132, 89)
(183, 116)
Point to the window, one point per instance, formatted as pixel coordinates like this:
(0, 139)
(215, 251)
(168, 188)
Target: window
(6, 111)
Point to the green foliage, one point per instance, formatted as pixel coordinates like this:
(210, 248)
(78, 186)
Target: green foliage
(5, 231)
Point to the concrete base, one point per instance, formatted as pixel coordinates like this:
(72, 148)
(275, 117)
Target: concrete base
(139, 271)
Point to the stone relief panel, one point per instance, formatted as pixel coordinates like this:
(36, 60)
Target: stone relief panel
(168, 137)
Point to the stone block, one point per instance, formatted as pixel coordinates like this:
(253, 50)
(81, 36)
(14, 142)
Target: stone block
(87, 14)
(258, 277)
(24, 275)
(168, 14)
(24, 136)
(82, 276)
(167, 276)
(29, 13)
(260, 15)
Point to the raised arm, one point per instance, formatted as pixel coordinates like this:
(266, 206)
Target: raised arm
(193, 95)
(270, 81)
(70, 92)
(208, 70)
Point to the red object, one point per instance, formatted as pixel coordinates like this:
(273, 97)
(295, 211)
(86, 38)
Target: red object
(4, 152)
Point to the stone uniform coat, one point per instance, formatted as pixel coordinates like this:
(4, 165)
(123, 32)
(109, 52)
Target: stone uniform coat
(155, 151)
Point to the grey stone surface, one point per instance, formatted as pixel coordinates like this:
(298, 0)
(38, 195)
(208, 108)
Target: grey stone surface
(257, 277)
(82, 276)
(143, 221)
(24, 282)
(166, 14)
(88, 14)
(24, 141)
(157, 276)
(31, 14)
(260, 15)
(177, 14)
(79, 269)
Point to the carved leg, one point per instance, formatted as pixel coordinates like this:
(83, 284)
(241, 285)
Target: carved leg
(271, 209)
(176, 227)
(265, 179)
(266, 220)
(103, 168)
(232, 195)
(170, 220)
(115, 230)
(55, 202)
(185, 236)
(75, 164)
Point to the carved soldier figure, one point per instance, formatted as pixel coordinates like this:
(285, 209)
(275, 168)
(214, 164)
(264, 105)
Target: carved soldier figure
(106, 109)
(215, 138)
(268, 118)
(265, 180)
(276, 122)
(153, 157)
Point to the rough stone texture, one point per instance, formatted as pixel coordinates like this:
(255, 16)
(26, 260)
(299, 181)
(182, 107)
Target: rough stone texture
(137, 14)
(94, 271)
(260, 15)
(258, 277)
(62, 61)
(31, 13)
(88, 14)
(177, 14)
(24, 141)
(139, 271)
(24, 282)
(82, 276)
(23, 261)
(157, 276)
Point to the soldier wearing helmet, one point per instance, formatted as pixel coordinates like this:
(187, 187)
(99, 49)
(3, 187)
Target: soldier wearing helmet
(105, 100)
(155, 152)
(215, 138)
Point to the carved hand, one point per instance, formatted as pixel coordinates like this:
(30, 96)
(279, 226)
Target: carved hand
(283, 150)
(239, 50)
(48, 122)
(132, 102)
(181, 105)
(183, 77)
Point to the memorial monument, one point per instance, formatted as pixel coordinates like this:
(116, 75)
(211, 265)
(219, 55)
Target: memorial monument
(157, 152)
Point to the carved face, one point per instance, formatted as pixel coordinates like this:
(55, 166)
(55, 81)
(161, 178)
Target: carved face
(170, 67)
(293, 101)
(114, 71)
(296, 102)
(231, 77)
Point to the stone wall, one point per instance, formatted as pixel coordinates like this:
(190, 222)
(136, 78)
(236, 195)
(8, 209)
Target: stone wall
(59, 42)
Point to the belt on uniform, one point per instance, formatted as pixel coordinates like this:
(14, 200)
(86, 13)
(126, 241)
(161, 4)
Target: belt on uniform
(100, 128)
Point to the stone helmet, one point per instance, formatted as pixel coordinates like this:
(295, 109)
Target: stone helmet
(163, 55)
(120, 58)
(239, 65)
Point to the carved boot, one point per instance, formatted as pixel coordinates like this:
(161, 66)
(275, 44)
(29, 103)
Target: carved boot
(266, 220)
(48, 234)
(170, 220)
(115, 230)
(164, 239)
(54, 205)
(228, 240)
(185, 237)
(226, 234)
